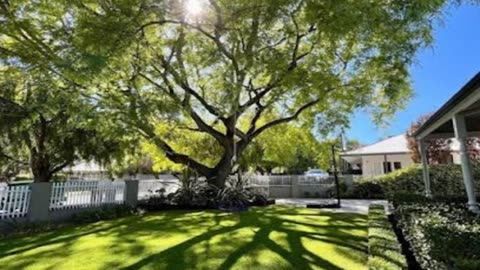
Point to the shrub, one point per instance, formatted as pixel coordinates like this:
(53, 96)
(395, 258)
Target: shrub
(237, 195)
(259, 199)
(234, 196)
(194, 192)
(441, 235)
(385, 252)
(156, 201)
(10, 228)
(364, 189)
(413, 198)
(105, 212)
(446, 180)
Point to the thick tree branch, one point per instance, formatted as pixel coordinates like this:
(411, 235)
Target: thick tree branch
(186, 87)
(279, 121)
(60, 167)
(176, 157)
(275, 82)
(187, 108)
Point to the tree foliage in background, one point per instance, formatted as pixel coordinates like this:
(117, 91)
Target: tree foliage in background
(45, 125)
(289, 148)
(439, 150)
(161, 63)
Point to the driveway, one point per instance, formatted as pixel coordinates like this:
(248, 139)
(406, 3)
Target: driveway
(347, 205)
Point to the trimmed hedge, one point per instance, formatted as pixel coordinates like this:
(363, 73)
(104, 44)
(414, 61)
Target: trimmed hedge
(446, 180)
(385, 252)
(442, 235)
(105, 212)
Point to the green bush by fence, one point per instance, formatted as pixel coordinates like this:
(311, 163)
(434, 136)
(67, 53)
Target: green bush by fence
(385, 252)
(446, 180)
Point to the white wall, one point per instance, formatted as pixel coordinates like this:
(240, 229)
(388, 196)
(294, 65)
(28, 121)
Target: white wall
(373, 165)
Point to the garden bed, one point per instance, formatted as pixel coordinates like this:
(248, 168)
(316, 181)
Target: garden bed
(441, 235)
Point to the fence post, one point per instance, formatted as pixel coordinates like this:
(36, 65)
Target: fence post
(39, 206)
(294, 187)
(131, 192)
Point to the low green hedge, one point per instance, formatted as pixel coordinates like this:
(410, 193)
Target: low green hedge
(105, 212)
(385, 252)
(441, 235)
(446, 180)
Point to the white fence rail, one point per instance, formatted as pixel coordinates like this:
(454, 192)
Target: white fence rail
(14, 201)
(288, 180)
(83, 194)
(151, 187)
(292, 186)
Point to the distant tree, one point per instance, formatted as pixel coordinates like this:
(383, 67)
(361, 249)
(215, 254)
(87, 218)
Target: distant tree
(473, 148)
(45, 124)
(439, 150)
(288, 146)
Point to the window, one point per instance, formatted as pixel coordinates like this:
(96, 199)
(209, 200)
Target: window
(387, 167)
(397, 165)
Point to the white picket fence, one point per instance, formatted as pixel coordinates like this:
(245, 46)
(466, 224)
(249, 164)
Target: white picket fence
(83, 194)
(14, 201)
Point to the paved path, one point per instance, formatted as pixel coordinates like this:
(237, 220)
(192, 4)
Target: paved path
(348, 205)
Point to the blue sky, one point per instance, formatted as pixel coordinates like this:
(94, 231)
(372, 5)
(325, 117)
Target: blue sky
(439, 73)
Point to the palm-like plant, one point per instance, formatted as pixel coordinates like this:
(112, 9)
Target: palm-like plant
(235, 196)
(193, 191)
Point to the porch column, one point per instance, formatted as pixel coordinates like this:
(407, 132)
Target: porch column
(461, 134)
(423, 146)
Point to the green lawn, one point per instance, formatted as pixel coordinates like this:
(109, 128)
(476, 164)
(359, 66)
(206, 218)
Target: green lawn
(262, 238)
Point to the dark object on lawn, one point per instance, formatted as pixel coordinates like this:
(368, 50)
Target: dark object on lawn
(257, 199)
(323, 205)
(233, 208)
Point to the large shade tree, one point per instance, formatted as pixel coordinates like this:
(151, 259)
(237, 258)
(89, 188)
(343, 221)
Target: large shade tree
(208, 66)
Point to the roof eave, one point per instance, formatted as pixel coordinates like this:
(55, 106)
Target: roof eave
(463, 93)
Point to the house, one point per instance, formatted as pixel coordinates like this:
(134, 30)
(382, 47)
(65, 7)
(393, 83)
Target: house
(459, 117)
(386, 156)
(379, 158)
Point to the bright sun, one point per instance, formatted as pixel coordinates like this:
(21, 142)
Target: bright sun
(194, 7)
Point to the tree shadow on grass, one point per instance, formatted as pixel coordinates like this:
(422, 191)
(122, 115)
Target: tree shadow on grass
(292, 238)
(333, 231)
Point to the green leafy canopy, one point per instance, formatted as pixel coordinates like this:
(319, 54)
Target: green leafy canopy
(221, 69)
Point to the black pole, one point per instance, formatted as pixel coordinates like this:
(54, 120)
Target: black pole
(335, 175)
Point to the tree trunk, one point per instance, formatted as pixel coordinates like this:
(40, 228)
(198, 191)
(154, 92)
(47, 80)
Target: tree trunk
(220, 173)
(40, 167)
